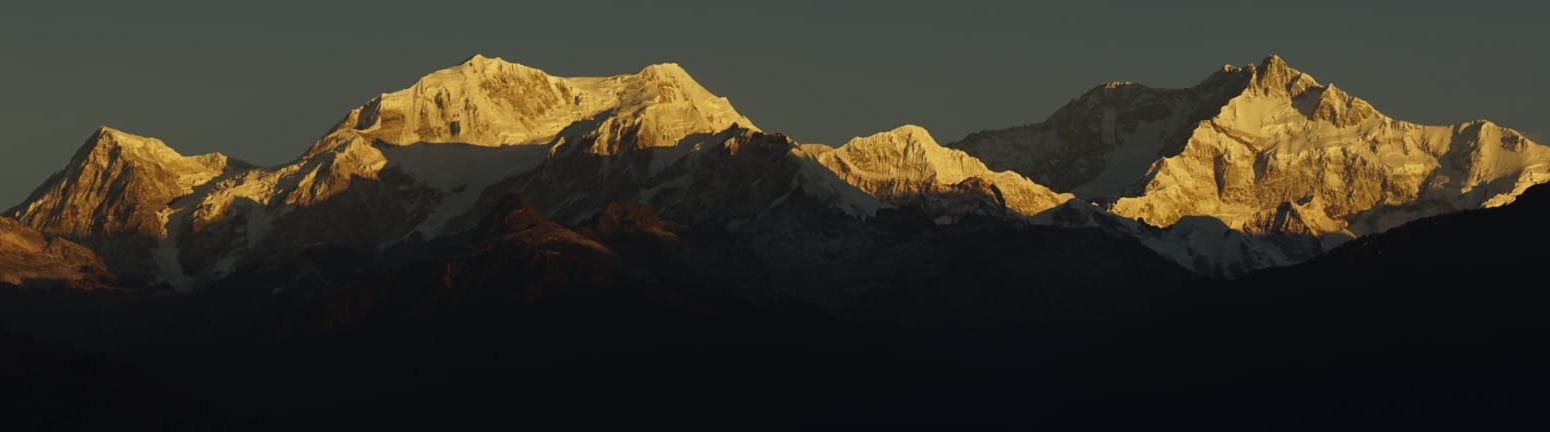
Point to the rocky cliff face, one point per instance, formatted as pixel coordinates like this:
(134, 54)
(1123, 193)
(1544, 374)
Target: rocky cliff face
(906, 166)
(117, 183)
(116, 196)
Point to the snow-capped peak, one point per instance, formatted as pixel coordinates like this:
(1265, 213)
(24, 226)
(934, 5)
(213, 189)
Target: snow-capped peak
(665, 71)
(488, 101)
(107, 142)
(480, 60)
(1265, 149)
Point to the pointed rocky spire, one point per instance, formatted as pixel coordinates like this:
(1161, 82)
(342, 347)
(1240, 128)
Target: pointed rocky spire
(479, 58)
(1274, 76)
(1341, 109)
(106, 139)
(1273, 66)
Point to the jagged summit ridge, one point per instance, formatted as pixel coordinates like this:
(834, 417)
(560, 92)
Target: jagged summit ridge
(1275, 76)
(735, 174)
(1099, 144)
(1266, 150)
(491, 102)
(1353, 170)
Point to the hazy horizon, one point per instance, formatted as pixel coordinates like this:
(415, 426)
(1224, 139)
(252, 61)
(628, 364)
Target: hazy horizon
(261, 82)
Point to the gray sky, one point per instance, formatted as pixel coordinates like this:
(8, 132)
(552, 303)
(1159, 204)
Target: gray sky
(261, 82)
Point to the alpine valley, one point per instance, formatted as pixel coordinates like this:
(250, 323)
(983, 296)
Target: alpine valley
(498, 245)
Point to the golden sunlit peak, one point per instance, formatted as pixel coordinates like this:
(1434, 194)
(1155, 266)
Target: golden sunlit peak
(664, 70)
(107, 130)
(481, 58)
(109, 134)
(480, 61)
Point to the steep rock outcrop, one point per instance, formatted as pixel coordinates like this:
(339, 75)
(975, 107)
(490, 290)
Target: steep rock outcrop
(27, 255)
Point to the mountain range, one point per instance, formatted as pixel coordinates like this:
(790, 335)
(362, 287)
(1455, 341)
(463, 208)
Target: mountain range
(512, 242)
(1255, 167)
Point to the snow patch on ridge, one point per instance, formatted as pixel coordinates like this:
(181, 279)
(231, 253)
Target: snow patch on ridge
(460, 173)
(169, 267)
(821, 183)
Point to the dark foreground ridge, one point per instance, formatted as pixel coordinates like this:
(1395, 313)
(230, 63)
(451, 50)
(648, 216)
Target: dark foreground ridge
(630, 318)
